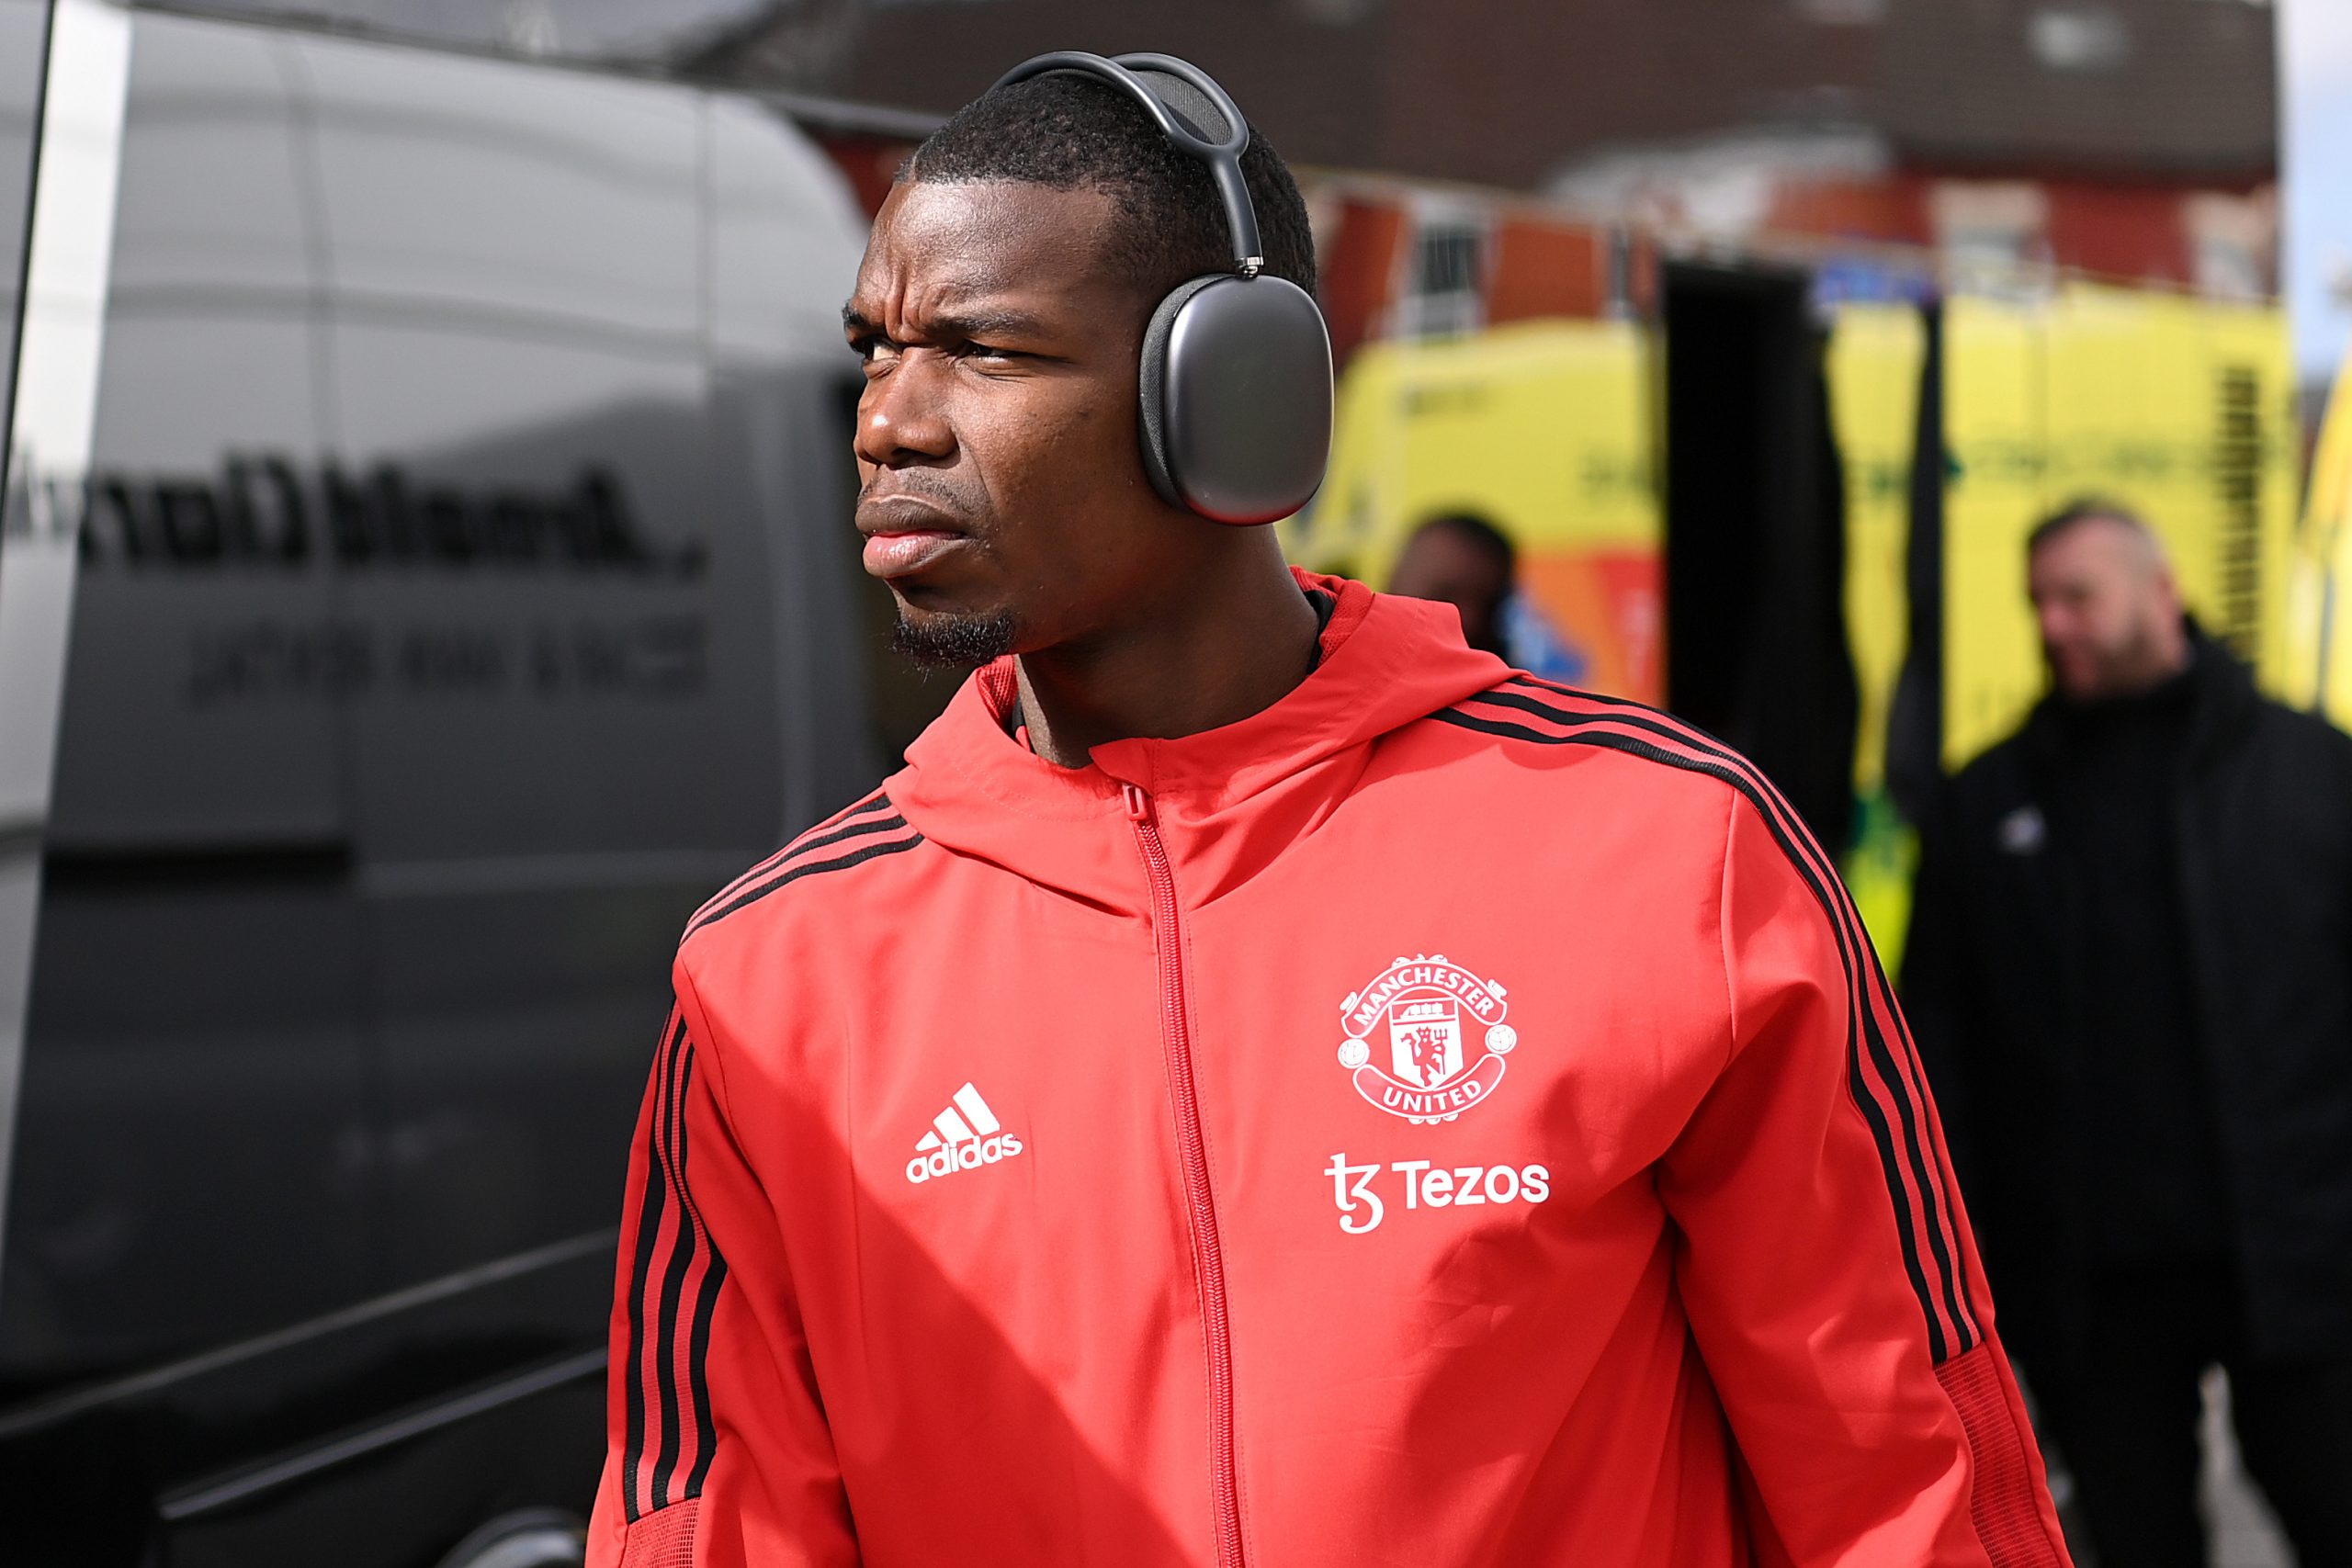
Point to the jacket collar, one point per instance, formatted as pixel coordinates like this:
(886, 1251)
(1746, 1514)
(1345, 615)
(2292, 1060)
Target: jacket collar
(1227, 800)
(2223, 696)
(2222, 701)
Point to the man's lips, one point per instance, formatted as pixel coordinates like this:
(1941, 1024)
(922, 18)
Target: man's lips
(905, 534)
(903, 554)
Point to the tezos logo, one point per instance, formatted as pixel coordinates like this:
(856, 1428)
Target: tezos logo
(1429, 1006)
(1429, 1185)
(965, 1137)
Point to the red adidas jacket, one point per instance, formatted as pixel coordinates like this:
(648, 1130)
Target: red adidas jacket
(1441, 1119)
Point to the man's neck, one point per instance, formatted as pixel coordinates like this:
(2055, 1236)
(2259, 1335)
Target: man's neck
(2159, 680)
(2167, 663)
(1232, 652)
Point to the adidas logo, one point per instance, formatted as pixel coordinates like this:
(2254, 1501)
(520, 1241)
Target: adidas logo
(965, 1137)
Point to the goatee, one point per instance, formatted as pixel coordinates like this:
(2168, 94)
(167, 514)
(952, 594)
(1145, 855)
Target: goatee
(954, 642)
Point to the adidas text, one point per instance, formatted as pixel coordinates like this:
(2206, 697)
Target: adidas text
(962, 1156)
(965, 1137)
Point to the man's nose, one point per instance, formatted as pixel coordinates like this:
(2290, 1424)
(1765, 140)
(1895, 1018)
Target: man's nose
(899, 419)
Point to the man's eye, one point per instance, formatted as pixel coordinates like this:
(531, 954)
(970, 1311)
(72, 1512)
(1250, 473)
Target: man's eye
(871, 347)
(987, 353)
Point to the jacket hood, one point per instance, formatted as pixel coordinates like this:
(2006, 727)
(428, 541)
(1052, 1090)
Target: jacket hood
(1227, 800)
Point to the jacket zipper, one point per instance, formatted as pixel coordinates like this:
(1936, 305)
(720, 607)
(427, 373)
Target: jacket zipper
(1208, 1258)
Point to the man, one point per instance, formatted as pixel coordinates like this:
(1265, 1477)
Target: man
(1460, 559)
(1467, 562)
(1264, 1084)
(2131, 969)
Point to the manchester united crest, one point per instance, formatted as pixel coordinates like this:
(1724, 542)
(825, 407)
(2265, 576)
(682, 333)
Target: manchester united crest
(1426, 1040)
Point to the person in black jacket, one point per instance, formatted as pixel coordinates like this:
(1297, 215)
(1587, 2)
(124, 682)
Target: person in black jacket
(2129, 972)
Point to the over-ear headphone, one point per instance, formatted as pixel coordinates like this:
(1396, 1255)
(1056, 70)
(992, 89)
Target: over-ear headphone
(1237, 365)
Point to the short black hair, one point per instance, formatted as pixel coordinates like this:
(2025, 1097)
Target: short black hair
(2084, 509)
(1070, 131)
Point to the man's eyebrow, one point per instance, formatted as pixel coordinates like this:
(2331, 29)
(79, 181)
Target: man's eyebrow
(1001, 323)
(977, 323)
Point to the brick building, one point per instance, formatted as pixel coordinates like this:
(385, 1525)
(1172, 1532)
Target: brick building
(1480, 161)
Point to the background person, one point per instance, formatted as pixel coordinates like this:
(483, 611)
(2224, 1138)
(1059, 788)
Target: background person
(1461, 559)
(1467, 562)
(2130, 969)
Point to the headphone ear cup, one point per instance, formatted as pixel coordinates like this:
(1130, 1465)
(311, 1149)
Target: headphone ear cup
(1235, 392)
(1153, 385)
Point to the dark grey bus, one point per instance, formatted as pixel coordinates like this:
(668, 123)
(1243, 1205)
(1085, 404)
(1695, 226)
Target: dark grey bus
(425, 578)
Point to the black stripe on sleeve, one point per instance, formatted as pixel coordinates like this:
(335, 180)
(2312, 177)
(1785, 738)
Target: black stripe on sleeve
(698, 1359)
(800, 868)
(1904, 1076)
(863, 830)
(648, 1229)
(673, 1283)
(842, 824)
(1723, 766)
(1900, 1070)
(713, 1275)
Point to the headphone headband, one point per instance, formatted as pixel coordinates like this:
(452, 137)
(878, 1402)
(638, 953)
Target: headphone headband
(1222, 155)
